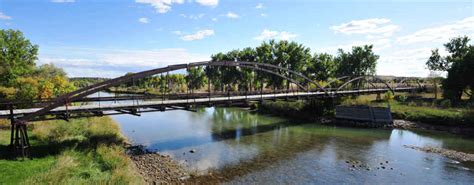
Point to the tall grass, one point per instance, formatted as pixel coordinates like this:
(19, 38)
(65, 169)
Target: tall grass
(81, 151)
(81, 131)
(105, 165)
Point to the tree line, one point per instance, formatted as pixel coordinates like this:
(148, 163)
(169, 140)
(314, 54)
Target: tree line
(321, 67)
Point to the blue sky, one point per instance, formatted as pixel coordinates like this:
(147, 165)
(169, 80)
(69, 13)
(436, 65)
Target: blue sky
(108, 38)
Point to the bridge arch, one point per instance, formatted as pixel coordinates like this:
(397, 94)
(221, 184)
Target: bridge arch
(83, 92)
(406, 80)
(365, 77)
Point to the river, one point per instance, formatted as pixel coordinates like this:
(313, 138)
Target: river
(250, 148)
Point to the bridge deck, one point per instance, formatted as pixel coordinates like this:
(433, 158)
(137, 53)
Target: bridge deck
(184, 102)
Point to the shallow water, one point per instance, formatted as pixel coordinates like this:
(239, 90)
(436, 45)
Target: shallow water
(251, 148)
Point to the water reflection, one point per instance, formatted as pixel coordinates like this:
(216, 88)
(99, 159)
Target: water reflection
(250, 148)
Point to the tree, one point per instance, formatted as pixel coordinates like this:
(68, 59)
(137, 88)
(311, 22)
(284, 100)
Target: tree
(196, 78)
(48, 71)
(322, 67)
(28, 90)
(298, 60)
(361, 61)
(436, 62)
(435, 79)
(459, 64)
(17, 56)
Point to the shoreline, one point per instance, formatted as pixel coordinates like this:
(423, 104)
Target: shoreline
(156, 168)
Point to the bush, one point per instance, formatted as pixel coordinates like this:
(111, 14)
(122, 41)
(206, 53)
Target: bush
(4, 123)
(445, 103)
(401, 98)
(388, 96)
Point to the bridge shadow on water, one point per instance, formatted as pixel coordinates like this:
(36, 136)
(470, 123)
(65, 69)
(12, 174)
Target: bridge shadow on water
(220, 136)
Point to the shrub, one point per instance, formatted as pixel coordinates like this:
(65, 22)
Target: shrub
(401, 98)
(4, 123)
(388, 96)
(445, 103)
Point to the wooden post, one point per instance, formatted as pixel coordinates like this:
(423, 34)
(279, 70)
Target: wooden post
(12, 122)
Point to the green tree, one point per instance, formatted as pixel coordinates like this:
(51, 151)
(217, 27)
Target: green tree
(459, 64)
(299, 58)
(17, 56)
(361, 61)
(196, 78)
(322, 67)
(49, 71)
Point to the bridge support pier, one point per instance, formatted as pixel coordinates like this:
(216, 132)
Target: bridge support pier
(19, 140)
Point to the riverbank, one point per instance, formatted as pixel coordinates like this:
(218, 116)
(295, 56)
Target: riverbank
(81, 151)
(407, 115)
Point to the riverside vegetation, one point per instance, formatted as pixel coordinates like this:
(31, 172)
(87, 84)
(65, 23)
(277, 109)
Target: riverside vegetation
(81, 151)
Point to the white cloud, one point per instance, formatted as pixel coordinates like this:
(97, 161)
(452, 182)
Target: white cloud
(161, 6)
(404, 62)
(263, 15)
(214, 19)
(287, 35)
(373, 26)
(201, 34)
(63, 1)
(440, 34)
(232, 15)
(211, 3)
(259, 6)
(113, 63)
(177, 32)
(270, 34)
(4, 17)
(191, 16)
(144, 20)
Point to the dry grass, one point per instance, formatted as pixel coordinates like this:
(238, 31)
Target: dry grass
(4, 123)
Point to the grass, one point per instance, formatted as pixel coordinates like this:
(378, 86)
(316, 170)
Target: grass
(433, 115)
(421, 108)
(82, 151)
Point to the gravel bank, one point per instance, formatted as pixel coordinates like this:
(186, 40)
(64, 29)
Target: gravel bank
(159, 169)
(459, 156)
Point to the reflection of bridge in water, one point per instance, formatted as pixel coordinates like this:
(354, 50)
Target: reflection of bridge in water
(66, 106)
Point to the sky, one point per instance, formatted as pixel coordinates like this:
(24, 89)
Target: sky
(108, 38)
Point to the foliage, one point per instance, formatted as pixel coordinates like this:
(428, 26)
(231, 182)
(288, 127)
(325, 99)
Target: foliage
(388, 96)
(7, 93)
(459, 64)
(85, 81)
(445, 103)
(20, 79)
(322, 67)
(196, 78)
(361, 61)
(17, 58)
(401, 98)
